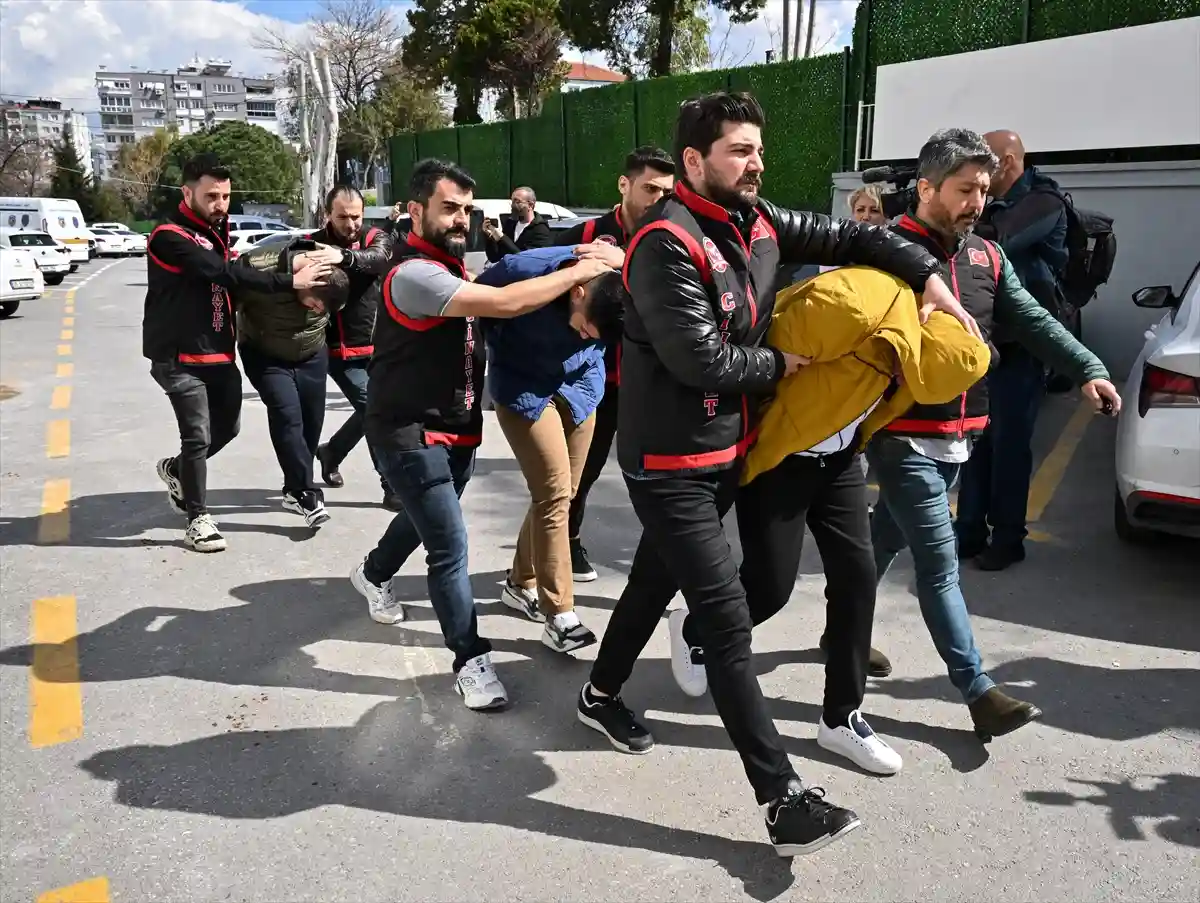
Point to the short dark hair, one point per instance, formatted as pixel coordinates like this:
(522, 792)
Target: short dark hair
(702, 119)
(336, 289)
(648, 157)
(948, 151)
(427, 173)
(604, 305)
(203, 165)
(337, 191)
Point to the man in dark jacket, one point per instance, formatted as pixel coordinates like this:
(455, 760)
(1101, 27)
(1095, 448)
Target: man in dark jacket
(282, 340)
(525, 229)
(188, 334)
(649, 176)
(700, 273)
(1028, 220)
(364, 258)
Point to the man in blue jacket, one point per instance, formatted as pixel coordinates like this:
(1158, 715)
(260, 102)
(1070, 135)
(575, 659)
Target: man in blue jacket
(1028, 219)
(546, 375)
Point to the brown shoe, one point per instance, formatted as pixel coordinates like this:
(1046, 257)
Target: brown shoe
(877, 663)
(996, 714)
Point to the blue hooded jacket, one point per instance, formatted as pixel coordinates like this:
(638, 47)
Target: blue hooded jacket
(533, 357)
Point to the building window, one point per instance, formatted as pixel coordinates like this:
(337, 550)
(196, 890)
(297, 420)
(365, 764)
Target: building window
(152, 123)
(260, 110)
(127, 139)
(114, 102)
(109, 138)
(152, 105)
(224, 107)
(121, 85)
(181, 86)
(223, 88)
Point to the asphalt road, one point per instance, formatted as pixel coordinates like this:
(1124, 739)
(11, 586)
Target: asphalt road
(235, 728)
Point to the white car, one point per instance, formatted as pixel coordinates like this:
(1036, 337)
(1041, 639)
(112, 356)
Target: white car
(112, 244)
(20, 280)
(241, 242)
(53, 257)
(1158, 436)
(497, 208)
(135, 242)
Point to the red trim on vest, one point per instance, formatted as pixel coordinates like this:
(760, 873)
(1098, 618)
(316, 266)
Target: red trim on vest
(992, 253)
(589, 231)
(345, 354)
(690, 462)
(220, 358)
(699, 258)
(165, 266)
(907, 222)
(417, 325)
(454, 440)
(939, 427)
(698, 204)
(190, 214)
(437, 254)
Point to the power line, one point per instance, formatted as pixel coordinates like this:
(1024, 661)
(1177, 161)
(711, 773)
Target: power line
(177, 187)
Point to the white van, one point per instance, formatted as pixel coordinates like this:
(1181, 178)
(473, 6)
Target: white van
(58, 216)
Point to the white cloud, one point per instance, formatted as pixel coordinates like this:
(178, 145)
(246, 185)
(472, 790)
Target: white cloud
(53, 48)
(746, 44)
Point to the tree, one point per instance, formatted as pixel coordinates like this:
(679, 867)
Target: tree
(108, 204)
(22, 163)
(139, 168)
(264, 170)
(399, 105)
(69, 180)
(614, 27)
(691, 51)
(428, 51)
(517, 45)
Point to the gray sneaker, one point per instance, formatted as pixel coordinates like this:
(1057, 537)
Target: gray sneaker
(381, 604)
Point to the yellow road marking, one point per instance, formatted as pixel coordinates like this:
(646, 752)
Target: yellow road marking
(69, 309)
(55, 523)
(60, 399)
(66, 335)
(58, 438)
(55, 695)
(68, 321)
(1053, 468)
(64, 350)
(93, 891)
(64, 371)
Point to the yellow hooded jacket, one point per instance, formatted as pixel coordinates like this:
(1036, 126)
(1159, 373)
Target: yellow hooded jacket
(859, 326)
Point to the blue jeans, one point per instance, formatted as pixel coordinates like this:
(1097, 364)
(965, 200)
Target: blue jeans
(995, 482)
(914, 511)
(351, 377)
(430, 482)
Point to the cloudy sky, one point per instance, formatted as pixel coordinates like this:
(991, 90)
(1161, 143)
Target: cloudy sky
(52, 48)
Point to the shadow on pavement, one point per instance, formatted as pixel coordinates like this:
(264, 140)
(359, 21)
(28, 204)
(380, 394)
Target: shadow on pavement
(1174, 799)
(118, 519)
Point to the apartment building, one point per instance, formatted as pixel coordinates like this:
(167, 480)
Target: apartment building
(45, 120)
(203, 93)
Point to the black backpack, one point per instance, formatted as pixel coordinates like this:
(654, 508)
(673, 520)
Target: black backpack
(1091, 251)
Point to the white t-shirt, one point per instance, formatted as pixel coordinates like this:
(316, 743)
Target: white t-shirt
(518, 229)
(841, 439)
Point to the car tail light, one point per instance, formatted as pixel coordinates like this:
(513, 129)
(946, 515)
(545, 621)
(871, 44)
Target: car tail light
(1166, 389)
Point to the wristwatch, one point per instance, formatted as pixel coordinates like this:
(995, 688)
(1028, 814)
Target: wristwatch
(347, 259)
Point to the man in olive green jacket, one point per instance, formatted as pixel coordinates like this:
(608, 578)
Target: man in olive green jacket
(281, 336)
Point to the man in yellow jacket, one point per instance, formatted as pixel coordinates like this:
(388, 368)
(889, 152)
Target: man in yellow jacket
(870, 358)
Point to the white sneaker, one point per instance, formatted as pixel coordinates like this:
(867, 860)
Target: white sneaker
(687, 662)
(381, 605)
(203, 536)
(860, 745)
(565, 633)
(308, 505)
(523, 600)
(479, 686)
(174, 487)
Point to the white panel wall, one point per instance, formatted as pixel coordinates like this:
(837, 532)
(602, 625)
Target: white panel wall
(1131, 87)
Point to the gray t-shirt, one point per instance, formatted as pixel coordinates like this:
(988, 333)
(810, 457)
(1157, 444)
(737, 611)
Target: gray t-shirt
(423, 289)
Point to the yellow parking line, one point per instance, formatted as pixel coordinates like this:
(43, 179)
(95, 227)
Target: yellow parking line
(69, 309)
(60, 399)
(55, 695)
(64, 371)
(64, 350)
(66, 335)
(1053, 468)
(93, 891)
(58, 438)
(68, 321)
(54, 525)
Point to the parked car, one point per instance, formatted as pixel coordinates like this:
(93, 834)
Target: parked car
(135, 241)
(241, 223)
(570, 222)
(116, 244)
(20, 280)
(241, 242)
(1158, 436)
(53, 257)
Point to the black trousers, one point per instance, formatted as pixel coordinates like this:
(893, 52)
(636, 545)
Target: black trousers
(829, 495)
(294, 395)
(351, 377)
(603, 434)
(208, 404)
(684, 548)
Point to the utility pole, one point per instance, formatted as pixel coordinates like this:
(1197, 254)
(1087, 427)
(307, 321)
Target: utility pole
(318, 135)
(796, 30)
(787, 27)
(812, 18)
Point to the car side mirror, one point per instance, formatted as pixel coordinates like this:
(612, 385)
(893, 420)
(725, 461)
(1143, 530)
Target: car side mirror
(1155, 297)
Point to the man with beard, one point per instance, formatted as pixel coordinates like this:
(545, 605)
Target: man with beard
(523, 230)
(350, 329)
(423, 418)
(649, 176)
(917, 458)
(188, 334)
(699, 273)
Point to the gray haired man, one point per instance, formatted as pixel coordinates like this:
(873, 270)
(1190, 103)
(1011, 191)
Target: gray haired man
(917, 458)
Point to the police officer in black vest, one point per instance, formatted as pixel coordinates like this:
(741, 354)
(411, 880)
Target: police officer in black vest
(649, 175)
(700, 274)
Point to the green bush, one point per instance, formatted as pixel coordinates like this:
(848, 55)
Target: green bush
(1063, 18)
(402, 157)
(600, 132)
(442, 143)
(658, 103)
(538, 153)
(484, 151)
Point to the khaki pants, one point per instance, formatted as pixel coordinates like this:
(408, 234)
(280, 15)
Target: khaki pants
(551, 452)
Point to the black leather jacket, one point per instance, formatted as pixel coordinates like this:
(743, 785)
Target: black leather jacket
(350, 329)
(701, 283)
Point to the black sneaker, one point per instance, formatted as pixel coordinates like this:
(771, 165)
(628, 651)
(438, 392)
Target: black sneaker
(581, 569)
(392, 501)
(802, 822)
(610, 716)
(329, 470)
(309, 505)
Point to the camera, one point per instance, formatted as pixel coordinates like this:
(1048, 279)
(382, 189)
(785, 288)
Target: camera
(904, 194)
